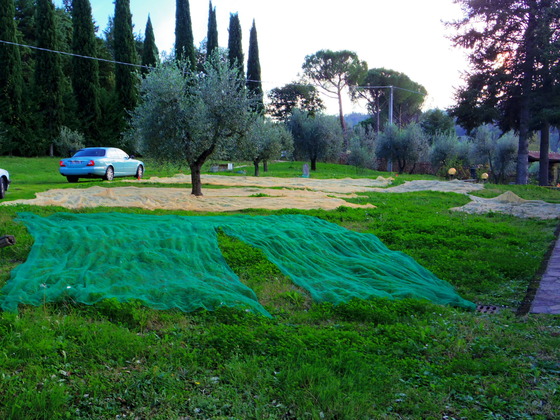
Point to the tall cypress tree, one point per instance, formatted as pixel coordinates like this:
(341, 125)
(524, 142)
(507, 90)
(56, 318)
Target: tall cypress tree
(212, 37)
(184, 40)
(27, 33)
(11, 82)
(150, 53)
(254, 83)
(125, 52)
(48, 72)
(235, 48)
(85, 71)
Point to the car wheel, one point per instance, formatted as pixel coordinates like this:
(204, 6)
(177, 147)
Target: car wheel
(72, 178)
(109, 174)
(2, 188)
(139, 172)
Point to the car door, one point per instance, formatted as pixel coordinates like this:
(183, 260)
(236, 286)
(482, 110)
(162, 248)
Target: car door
(128, 164)
(119, 161)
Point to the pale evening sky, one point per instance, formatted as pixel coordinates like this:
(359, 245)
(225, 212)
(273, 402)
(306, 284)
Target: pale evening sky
(403, 35)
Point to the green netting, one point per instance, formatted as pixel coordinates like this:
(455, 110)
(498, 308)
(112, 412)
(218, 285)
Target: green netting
(175, 262)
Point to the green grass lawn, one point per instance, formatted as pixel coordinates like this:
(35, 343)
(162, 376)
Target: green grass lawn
(375, 359)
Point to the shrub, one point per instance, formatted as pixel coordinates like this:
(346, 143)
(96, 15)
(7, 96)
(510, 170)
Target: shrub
(68, 141)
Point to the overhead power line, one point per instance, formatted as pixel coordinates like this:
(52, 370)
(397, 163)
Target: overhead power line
(149, 67)
(390, 87)
(89, 57)
(74, 55)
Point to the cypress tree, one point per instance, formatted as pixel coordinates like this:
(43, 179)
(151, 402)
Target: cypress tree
(212, 37)
(184, 41)
(25, 11)
(11, 82)
(125, 52)
(254, 83)
(48, 73)
(27, 34)
(235, 48)
(85, 71)
(150, 52)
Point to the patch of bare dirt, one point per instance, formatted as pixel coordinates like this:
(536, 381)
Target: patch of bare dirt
(245, 192)
(217, 200)
(343, 186)
(455, 186)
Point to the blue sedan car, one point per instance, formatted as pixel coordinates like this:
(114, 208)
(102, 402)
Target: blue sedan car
(100, 162)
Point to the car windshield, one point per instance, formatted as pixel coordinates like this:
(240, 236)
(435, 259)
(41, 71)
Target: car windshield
(90, 152)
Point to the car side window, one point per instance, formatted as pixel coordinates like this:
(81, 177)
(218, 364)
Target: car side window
(118, 154)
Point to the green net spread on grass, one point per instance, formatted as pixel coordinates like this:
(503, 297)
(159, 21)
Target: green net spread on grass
(175, 262)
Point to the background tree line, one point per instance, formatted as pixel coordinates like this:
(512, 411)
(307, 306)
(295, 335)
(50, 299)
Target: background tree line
(62, 85)
(50, 81)
(85, 95)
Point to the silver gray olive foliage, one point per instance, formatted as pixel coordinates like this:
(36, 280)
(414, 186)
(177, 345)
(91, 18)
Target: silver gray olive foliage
(496, 149)
(266, 140)
(186, 116)
(404, 146)
(444, 150)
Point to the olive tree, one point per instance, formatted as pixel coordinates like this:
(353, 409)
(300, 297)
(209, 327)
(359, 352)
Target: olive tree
(265, 140)
(491, 147)
(317, 137)
(362, 148)
(186, 116)
(444, 150)
(405, 146)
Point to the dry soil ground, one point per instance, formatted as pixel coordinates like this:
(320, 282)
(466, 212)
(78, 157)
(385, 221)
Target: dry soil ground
(244, 192)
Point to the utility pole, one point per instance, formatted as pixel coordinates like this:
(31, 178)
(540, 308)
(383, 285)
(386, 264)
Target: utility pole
(390, 162)
(391, 105)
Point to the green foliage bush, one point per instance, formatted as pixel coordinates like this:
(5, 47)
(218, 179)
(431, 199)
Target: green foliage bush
(68, 141)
